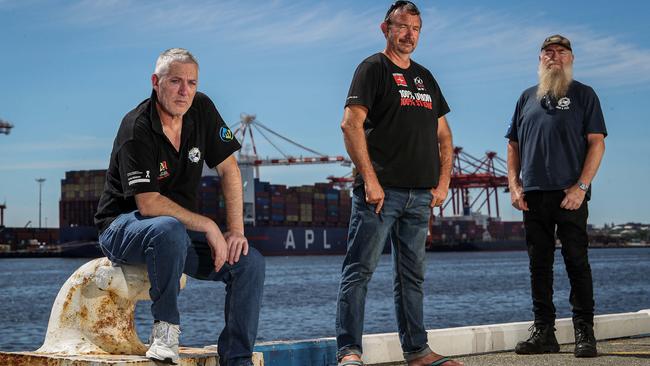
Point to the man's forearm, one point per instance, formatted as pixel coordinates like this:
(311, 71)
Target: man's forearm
(514, 166)
(446, 148)
(231, 184)
(357, 148)
(354, 138)
(595, 152)
(153, 204)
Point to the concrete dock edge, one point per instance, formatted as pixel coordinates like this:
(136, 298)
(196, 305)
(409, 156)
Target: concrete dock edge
(385, 348)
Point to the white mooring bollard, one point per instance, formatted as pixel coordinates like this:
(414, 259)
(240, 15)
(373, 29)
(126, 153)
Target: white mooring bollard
(94, 311)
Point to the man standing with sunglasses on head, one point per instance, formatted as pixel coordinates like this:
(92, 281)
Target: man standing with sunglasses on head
(396, 133)
(557, 141)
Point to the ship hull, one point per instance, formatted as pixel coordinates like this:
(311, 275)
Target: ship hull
(492, 246)
(295, 240)
(289, 240)
(268, 240)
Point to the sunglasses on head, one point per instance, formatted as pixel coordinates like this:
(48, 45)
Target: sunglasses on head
(397, 5)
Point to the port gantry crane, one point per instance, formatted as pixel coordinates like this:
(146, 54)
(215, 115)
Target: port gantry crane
(248, 122)
(469, 174)
(486, 175)
(250, 162)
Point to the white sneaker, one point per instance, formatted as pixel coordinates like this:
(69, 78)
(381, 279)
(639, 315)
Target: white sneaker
(164, 342)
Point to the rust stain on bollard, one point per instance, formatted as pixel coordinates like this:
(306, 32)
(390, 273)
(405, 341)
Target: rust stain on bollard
(94, 311)
(92, 323)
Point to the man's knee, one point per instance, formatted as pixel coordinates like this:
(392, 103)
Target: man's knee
(171, 233)
(254, 263)
(575, 258)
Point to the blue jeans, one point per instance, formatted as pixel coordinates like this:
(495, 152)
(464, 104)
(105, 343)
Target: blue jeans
(169, 250)
(405, 217)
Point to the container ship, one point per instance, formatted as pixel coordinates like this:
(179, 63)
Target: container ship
(280, 220)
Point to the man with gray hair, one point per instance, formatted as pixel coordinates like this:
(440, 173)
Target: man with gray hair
(556, 144)
(146, 214)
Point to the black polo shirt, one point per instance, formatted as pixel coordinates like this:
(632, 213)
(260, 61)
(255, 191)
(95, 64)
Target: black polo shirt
(144, 160)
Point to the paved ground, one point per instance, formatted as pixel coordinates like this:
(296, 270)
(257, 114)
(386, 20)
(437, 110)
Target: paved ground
(628, 351)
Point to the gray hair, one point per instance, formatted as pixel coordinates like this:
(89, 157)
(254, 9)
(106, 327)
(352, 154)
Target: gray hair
(173, 55)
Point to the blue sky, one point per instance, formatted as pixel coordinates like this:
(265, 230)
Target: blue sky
(72, 69)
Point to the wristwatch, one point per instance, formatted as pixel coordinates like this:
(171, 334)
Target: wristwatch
(583, 186)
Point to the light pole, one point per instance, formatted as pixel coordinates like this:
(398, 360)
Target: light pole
(40, 195)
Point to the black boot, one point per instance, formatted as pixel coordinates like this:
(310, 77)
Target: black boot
(585, 340)
(542, 340)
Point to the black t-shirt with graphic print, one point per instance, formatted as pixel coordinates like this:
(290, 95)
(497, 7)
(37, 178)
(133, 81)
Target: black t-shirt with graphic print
(402, 122)
(552, 136)
(144, 160)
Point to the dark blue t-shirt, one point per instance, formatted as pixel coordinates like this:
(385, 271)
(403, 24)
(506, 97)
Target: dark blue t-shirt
(552, 136)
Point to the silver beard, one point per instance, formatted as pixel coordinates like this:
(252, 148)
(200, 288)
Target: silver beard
(554, 82)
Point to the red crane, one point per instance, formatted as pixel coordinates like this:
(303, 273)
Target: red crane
(484, 175)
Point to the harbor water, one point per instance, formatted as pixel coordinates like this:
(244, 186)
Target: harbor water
(461, 288)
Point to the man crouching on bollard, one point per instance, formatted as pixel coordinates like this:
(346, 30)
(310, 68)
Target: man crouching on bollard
(146, 214)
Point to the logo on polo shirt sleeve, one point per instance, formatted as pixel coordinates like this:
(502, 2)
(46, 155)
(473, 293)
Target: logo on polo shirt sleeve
(226, 134)
(194, 155)
(137, 176)
(163, 171)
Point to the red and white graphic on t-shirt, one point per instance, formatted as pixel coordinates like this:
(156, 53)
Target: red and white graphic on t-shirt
(400, 80)
(408, 98)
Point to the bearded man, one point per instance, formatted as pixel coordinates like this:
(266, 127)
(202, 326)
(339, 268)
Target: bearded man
(556, 144)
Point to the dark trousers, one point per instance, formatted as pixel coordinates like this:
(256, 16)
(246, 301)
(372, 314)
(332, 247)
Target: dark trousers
(544, 218)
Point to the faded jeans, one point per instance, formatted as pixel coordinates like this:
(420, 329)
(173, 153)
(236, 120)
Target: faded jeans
(169, 250)
(405, 218)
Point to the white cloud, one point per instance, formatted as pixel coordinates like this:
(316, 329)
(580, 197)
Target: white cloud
(473, 45)
(489, 45)
(265, 24)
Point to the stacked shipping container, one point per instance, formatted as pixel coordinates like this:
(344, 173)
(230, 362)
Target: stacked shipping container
(320, 205)
(80, 192)
(210, 200)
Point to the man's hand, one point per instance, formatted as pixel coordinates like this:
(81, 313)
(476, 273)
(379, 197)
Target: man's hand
(439, 196)
(237, 245)
(518, 199)
(218, 246)
(374, 194)
(573, 198)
